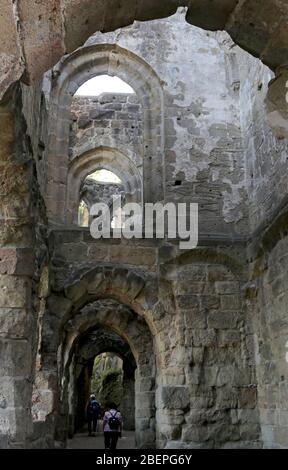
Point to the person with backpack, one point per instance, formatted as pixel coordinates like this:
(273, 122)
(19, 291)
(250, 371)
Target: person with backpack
(112, 426)
(93, 410)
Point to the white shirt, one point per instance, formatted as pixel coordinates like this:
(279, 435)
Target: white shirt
(109, 414)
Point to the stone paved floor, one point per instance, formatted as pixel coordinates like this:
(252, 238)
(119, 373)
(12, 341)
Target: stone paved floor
(81, 440)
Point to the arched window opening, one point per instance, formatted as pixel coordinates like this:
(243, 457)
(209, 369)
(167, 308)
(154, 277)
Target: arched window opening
(106, 110)
(103, 84)
(101, 186)
(126, 120)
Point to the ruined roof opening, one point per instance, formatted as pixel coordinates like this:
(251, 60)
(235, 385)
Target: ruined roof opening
(103, 84)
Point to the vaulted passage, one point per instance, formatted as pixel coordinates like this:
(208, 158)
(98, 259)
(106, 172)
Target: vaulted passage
(184, 103)
(107, 326)
(109, 374)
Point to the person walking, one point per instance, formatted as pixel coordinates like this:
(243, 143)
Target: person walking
(112, 426)
(93, 410)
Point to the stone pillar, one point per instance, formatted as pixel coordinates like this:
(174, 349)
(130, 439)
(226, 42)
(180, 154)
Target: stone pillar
(144, 409)
(16, 270)
(83, 386)
(128, 401)
(277, 103)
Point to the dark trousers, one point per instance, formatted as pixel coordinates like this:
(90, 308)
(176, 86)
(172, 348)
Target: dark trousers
(92, 421)
(111, 439)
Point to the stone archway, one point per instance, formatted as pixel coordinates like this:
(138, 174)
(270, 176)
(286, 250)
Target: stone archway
(101, 158)
(68, 317)
(95, 342)
(121, 320)
(68, 76)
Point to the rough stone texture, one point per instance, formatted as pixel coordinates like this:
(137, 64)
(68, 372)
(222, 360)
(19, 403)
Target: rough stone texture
(198, 134)
(12, 63)
(17, 269)
(276, 103)
(93, 192)
(40, 33)
(114, 120)
(267, 301)
(207, 328)
(266, 156)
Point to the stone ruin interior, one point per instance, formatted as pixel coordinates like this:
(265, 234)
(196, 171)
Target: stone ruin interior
(202, 334)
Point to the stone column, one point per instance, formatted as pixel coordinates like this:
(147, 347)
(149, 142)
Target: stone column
(83, 386)
(145, 409)
(128, 401)
(16, 270)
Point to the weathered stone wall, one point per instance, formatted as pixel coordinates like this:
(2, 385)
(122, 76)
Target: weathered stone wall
(265, 154)
(15, 298)
(203, 151)
(200, 138)
(206, 385)
(35, 109)
(267, 302)
(266, 169)
(220, 403)
(23, 253)
(112, 120)
(76, 248)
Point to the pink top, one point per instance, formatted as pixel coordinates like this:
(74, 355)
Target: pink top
(109, 414)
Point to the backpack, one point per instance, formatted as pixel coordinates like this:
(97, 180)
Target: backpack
(94, 407)
(114, 422)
